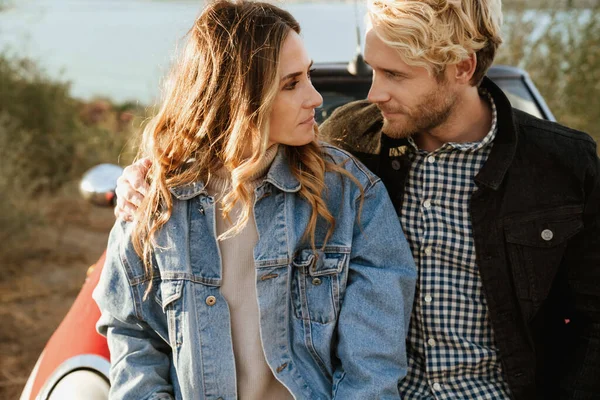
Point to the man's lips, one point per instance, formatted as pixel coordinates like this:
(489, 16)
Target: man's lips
(390, 114)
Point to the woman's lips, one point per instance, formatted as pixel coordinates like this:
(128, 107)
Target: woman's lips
(310, 120)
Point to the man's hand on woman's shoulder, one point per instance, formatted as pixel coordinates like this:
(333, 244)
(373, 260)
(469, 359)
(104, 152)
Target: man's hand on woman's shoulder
(131, 189)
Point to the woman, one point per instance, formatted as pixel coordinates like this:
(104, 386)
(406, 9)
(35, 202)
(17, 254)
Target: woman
(261, 264)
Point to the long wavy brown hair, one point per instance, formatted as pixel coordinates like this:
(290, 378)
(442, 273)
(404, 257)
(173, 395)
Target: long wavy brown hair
(216, 112)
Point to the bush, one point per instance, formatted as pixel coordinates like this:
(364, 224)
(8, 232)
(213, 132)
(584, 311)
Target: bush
(560, 48)
(47, 139)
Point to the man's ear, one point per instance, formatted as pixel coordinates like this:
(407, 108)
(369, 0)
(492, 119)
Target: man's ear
(465, 69)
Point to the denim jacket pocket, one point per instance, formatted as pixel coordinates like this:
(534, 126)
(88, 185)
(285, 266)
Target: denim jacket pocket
(536, 244)
(169, 297)
(316, 285)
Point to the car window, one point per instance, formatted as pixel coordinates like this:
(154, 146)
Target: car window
(338, 94)
(332, 100)
(520, 97)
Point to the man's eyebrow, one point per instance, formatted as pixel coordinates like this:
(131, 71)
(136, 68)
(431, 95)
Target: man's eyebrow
(295, 74)
(392, 71)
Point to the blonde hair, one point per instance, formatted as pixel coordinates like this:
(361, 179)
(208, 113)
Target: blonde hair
(216, 112)
(437, 33)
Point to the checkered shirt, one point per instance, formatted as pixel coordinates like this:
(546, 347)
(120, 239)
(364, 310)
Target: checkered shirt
(451, 348)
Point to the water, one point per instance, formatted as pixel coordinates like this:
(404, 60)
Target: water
(121, 49)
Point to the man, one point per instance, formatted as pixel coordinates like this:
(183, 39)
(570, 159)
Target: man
(501, 209)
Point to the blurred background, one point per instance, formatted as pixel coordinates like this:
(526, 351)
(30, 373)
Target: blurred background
(78, 78)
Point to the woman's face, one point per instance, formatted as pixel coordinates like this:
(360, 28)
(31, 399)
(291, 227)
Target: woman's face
(293, 113)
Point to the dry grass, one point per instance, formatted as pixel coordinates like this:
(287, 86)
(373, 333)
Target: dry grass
(38, 286)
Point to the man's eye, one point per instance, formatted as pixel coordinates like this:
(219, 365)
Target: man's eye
(310, 71)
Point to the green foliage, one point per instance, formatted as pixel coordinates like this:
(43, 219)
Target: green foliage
(41, 115)
(47, 139)
(560, 48)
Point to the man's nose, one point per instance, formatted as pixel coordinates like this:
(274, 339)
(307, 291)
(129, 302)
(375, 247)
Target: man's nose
(378, 93)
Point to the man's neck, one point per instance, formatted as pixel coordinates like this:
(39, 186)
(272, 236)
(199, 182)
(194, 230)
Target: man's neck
(470, 121)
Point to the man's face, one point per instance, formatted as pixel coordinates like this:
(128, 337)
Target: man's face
(410, 99)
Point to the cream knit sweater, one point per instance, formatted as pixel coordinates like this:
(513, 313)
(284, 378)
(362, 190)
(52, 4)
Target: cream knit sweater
(255, 380)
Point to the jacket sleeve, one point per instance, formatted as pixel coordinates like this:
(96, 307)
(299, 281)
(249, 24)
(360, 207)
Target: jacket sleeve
(140, 359)
(377, 304)
(581, 372)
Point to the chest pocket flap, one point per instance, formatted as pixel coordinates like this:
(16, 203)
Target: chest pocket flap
(320, 263)
(547, 231)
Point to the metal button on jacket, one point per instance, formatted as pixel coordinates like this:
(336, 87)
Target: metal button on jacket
(396, 165)
(211, 300)
(547, 234)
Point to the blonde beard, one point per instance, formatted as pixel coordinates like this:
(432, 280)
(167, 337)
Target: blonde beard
(395, 132)
(438, 109)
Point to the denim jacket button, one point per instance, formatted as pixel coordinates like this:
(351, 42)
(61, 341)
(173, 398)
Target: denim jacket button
(316, 281)
(547, 235)
(211, 300)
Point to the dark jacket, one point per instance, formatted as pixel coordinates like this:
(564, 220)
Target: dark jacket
(536, 226)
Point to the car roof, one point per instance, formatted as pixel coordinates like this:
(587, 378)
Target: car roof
(342, 69)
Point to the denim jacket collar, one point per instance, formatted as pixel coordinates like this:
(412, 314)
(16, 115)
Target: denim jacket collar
(280, 175)
(190, 190)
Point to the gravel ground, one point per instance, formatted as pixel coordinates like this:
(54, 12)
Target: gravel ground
(37, 290)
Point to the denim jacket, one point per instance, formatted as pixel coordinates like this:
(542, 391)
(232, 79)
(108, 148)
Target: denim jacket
(536, 227)
(333, 322)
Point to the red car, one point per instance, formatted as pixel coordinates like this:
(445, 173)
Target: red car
(75, 361)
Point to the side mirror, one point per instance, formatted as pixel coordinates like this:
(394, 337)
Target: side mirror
(98, 184)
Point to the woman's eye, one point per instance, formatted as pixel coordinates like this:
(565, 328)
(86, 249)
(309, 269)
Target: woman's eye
(310, 71)
(291, 85)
